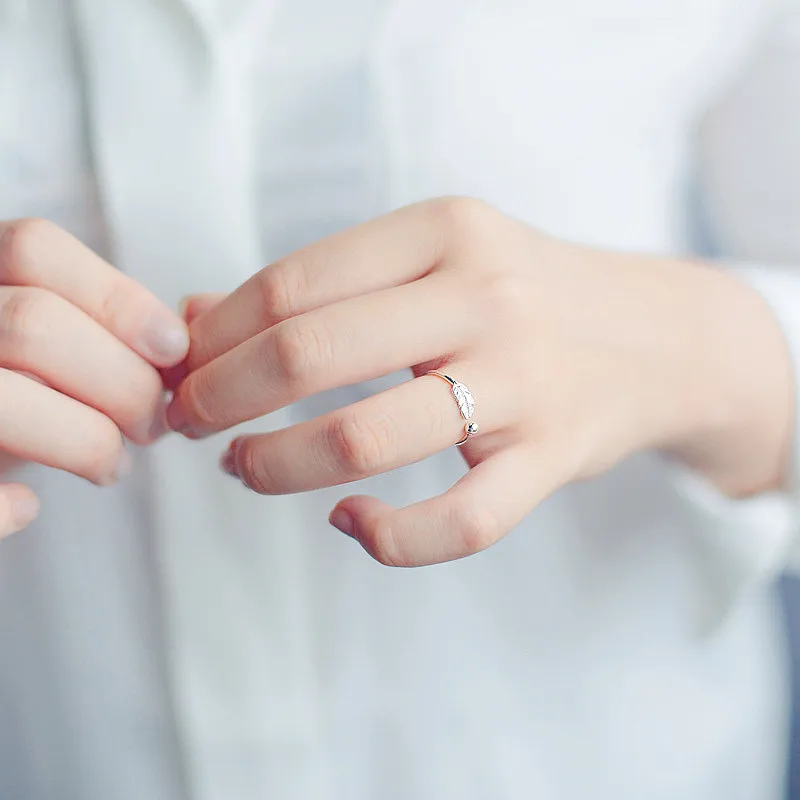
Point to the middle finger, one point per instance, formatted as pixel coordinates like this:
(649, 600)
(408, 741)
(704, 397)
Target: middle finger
(389, 251)
(355, 340)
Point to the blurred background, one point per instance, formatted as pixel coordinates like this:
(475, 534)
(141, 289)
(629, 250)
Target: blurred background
(790, 592)
(345, 132)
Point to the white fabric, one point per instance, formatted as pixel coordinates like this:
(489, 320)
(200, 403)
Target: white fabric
(178, 638)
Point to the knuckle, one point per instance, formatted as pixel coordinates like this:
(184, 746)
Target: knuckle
(476, 527)
(112, 304)
(361, 447)
(299, 351)
(506, 295)
(19, 245)
(24, 316)
(281, 287)
(462, 217)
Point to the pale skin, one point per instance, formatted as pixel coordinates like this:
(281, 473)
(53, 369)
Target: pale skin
(80, 348)
(577, 358)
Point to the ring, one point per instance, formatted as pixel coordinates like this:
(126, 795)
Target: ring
(466, 403)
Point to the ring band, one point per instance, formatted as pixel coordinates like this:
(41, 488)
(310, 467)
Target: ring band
(466, 403)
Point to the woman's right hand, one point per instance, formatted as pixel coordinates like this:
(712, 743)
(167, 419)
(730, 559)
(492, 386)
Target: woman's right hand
(80, 348)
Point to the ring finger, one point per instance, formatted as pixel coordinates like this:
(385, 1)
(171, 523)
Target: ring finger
(397, 427)
(43, 335)
(41, 425)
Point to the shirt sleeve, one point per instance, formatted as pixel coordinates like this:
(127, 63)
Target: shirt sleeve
(749, 176)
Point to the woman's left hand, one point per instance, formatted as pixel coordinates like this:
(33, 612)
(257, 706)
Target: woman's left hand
(576, 359)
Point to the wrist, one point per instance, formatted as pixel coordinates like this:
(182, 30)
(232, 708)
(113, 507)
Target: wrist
(735, 400)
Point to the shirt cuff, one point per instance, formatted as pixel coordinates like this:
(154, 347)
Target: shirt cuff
(741, 543)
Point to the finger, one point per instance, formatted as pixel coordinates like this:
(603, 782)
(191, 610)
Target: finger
(190, 308)
(193, 306)
(39, 424)
(19, 507)
(487, 503)
(44, 335)
(386, 252)
(171, 377)
(389, 430)
(38, 253)
(355, 340)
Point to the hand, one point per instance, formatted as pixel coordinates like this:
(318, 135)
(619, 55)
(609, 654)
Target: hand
(79, 347)
(576, 358)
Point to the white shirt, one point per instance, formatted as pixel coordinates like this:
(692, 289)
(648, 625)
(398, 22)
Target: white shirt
(177, 637)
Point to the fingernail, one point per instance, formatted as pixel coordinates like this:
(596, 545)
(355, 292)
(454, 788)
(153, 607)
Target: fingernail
(122, 468)
(176, 416)
(153, 429)
(228, 461)
(166, 337)
(24, 511)
(342, 520)
(160, 426)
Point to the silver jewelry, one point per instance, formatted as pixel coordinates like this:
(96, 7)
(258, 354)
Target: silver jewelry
(466, 404)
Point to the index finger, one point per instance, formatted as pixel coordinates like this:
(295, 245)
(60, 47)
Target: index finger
(384, 253)
(35, 252)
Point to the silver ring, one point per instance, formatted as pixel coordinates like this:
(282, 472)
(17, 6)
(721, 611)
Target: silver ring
(466, 403)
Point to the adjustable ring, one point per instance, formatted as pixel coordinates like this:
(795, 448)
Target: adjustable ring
(466, 404)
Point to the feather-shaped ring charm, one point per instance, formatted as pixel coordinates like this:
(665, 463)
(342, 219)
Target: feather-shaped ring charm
(466, 404)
